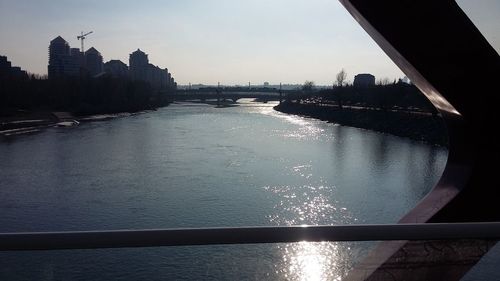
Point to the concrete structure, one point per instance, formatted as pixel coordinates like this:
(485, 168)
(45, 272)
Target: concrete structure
(79, 57)
(61, 62)
(364, 80)
(172, 83)
(116, 68)
(142, 70)
(9, 71)
(139, 63)
(5, 66)
(93, 62)
(168, 79)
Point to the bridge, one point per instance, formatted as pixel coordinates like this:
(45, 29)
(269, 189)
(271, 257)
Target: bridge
(438, 225)
(233, 94)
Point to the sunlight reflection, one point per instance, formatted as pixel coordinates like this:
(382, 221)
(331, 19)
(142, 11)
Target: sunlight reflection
(305, 128)
(306, 132)
(314, 261)
(311, 205)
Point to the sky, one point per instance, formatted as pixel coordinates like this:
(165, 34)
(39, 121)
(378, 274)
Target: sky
(210, 41)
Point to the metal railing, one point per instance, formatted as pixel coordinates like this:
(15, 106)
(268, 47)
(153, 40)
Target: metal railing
(244, 235)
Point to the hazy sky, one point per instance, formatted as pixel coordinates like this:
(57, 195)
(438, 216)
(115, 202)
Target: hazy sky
(206, 41)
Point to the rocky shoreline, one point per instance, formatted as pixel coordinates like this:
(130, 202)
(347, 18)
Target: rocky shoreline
(424, 127)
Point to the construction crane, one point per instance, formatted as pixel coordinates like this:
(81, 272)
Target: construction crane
(82, 37)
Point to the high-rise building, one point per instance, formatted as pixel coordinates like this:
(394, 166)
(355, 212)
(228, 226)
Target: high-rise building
(93, 62)
(139, 65)
(79, 57)
(141, 69)
(173, 84)
(138, 59)
(165, 79)
(169, 77)
(61, 62)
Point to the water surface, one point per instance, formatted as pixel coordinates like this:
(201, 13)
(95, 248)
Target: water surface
(193, 165)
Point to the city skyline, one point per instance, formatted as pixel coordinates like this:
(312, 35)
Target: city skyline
(65, 61)
(220, 41)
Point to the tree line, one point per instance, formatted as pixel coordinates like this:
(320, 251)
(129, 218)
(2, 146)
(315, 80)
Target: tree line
(397, 108)
(82, 96)
(398, 96)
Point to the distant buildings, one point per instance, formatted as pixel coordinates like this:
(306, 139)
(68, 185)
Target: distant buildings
(142, 70)
(364, 80)
(71, 62)
(9, 71)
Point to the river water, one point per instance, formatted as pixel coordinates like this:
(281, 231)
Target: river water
(193, 165)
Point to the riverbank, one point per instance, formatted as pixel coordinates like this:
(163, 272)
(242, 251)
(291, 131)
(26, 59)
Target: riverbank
(21, 122)
(418, 126)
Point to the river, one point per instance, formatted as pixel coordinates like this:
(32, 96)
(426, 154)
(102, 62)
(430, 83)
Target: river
(194, 165)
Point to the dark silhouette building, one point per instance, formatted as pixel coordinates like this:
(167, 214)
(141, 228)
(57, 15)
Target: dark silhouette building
(5, 66)
(71, 62)
(364, 80)
(61, 61)
(139, 64)
(79, 57)
(116, 68)
(93, 62)
(141, 69)
(9, 71)
(65, 61)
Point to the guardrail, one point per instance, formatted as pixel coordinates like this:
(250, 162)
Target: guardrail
(244, 235)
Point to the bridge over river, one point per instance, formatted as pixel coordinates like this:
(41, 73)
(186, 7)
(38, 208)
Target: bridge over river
(224, 94)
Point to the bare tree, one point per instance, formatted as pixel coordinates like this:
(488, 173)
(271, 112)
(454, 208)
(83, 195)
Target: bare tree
(383, 81)
(341, 78)
(37, 76)
(308, 86)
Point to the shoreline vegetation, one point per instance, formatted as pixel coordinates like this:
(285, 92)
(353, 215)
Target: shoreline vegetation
(80, 96)
(398, 109)
(31, 104)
